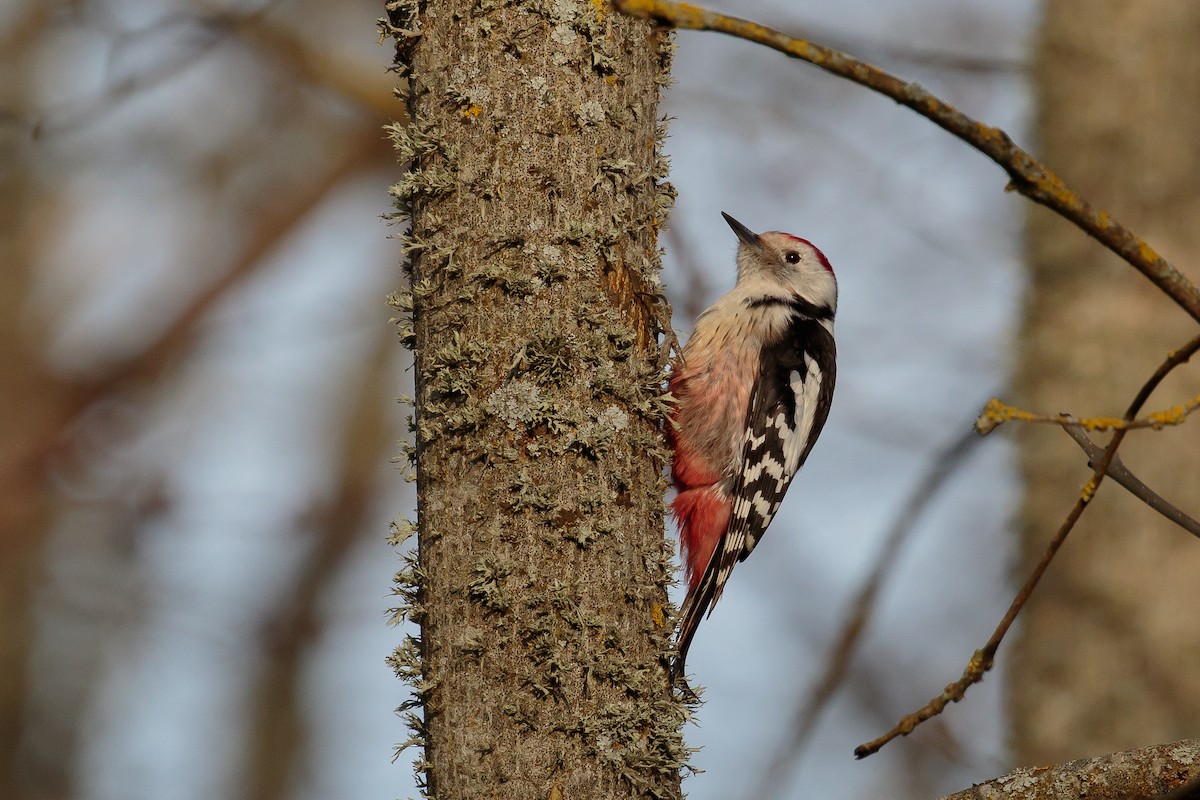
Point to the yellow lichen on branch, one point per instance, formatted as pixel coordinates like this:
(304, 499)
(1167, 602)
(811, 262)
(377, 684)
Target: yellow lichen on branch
(1174, 415)
(997, 412)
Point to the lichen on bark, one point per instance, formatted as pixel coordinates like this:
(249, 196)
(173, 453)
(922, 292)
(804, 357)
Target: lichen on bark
(534, 189)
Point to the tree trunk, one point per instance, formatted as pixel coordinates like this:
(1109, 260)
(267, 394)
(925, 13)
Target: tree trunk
(1111, 639)
(26, 770)
(534, 195)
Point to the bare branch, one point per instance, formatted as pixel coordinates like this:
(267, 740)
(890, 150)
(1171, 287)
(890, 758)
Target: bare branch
(1027, 175)
(1121, 474)
(982, 660)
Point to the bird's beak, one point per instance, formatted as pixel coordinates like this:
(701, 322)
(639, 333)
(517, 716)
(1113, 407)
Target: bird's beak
(745, 234)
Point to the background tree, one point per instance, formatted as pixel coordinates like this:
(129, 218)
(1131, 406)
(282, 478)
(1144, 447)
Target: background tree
(1096, 667)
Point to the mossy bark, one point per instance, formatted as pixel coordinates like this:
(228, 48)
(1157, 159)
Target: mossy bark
(534, 191)
(1107, 658)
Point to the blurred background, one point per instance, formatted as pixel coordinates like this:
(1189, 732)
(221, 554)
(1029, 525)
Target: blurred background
(199, 388)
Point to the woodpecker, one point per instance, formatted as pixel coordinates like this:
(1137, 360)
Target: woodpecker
(752, 391)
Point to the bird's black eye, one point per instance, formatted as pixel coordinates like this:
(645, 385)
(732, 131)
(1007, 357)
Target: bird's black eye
(792, 257)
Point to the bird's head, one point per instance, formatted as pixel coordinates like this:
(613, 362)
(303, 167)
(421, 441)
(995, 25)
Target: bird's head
(783, 263)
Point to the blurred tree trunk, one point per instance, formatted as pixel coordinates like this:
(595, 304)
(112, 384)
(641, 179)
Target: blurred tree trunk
(1107, 660)
(282, 736)
(23, 518)
(534, 193)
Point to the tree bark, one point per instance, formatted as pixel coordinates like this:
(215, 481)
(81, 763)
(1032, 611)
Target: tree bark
(1148, 773)
(534, 194)
(1111, 639)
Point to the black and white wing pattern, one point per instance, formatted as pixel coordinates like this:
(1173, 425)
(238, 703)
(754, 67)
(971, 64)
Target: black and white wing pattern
(787, 410)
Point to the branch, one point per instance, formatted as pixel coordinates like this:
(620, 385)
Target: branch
(997, 412)
(1154, 773)
(982, 660)
(1027, 175)
(1121, 474)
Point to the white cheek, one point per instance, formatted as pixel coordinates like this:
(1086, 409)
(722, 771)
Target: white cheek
(819, 286)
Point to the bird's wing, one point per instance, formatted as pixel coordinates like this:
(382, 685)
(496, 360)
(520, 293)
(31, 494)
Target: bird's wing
(786, 412)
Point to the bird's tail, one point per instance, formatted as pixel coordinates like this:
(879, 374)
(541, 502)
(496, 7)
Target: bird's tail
(703, 515)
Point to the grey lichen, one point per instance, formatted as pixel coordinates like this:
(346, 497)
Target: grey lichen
(517, 404)
(548, 356)
(1017, 780)
(528, 495)
(433, 164)
(635, 738)
(402, 24)
(590, 113)
(402, 302)
(447, 390)
(1182, 755)
(584, 534)
(594, 438)
(487, 585)
(500, 275)
(406, 660)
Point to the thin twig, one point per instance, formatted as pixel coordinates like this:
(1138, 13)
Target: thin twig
(997, 412)
(1027, 175)
(1121, 474)
(858, 616)
(982, 660)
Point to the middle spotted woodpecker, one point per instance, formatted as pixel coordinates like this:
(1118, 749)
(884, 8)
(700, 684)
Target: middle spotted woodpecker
(752, 388)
